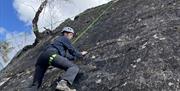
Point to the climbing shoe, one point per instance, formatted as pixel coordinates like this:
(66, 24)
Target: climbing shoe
(62, 86)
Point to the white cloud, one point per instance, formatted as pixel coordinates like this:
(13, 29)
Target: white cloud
(17, 40)
(2, 30)
(55, 12)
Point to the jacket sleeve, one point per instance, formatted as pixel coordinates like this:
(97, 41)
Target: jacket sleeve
(71, 49)
(70, 57)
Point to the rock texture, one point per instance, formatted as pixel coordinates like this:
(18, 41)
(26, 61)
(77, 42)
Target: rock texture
(134, 46)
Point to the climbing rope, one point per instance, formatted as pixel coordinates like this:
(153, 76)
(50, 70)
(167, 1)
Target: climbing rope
(94, 21)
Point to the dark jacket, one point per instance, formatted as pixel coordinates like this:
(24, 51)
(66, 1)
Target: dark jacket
(65, 48)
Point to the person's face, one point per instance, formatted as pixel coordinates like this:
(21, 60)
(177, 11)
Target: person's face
(69, 35)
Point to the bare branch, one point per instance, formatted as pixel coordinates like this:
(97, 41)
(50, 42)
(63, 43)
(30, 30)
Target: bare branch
(36, 18)
(4, 50)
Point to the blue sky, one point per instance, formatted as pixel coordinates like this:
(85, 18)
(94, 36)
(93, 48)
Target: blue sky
(9, 19)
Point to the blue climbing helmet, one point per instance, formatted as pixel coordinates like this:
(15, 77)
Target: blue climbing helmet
(68, 29)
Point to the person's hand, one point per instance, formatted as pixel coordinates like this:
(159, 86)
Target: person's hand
(84, 53)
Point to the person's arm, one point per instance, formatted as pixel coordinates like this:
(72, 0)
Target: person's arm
(71, 49)
(70, 57)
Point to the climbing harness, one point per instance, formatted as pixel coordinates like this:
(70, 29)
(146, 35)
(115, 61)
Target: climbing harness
(51, 58)
(94, 21)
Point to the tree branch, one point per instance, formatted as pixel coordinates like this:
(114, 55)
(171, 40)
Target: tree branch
(36, 18)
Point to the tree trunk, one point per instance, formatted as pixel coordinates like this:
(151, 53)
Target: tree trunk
(36, 18)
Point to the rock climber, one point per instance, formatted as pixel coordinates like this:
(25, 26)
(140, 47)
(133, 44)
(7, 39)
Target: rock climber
(60, 53)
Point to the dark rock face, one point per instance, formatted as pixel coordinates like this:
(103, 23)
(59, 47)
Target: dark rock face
(135, 46)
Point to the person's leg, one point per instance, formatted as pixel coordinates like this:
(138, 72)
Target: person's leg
(71, 68)
(38, 75)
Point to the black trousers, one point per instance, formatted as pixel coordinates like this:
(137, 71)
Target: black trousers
(59, 62)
